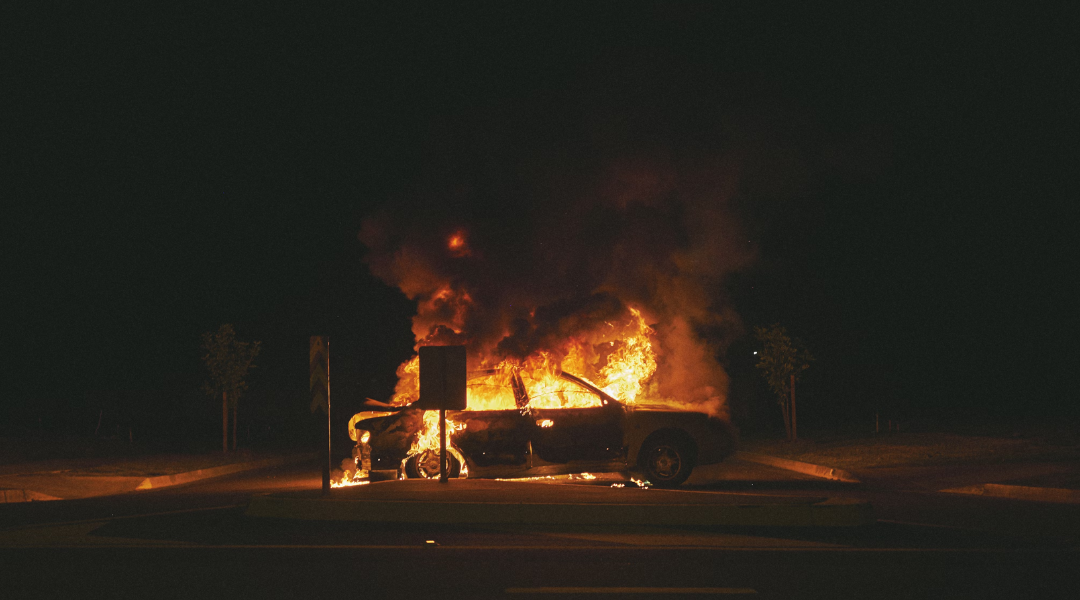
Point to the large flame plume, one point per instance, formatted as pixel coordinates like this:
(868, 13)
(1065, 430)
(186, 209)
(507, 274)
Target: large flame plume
(617, 359)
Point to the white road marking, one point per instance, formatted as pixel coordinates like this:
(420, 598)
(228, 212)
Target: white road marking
(630, 590)
(127, 543)
(933, 525)
(687, 539)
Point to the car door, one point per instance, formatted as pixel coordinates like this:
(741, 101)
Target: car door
(572, 423)
(496, 432)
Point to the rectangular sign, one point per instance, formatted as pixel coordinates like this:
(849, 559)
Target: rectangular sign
(442, 378)
(319, 372)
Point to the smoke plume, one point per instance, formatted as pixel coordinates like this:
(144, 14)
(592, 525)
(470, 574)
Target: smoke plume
(565, 252)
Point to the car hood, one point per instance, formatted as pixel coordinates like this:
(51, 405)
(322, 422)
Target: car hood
(657, 407)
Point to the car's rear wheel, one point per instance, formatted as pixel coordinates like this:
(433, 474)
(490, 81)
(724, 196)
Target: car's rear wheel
(667, 462)
(425, 465)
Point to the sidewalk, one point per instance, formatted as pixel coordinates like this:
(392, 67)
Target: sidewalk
(1022, 469)
(1034, 481)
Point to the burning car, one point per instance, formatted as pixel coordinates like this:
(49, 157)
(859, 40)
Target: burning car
(520, 426)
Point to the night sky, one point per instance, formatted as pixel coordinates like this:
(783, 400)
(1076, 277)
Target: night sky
(900, 175)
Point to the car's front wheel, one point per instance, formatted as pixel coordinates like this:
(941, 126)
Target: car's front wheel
(425, 465)
(667, 462)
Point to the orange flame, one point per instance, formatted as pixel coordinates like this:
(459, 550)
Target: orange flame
(428, 438)
(619, 360)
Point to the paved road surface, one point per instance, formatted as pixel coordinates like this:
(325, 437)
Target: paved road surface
(194, 542)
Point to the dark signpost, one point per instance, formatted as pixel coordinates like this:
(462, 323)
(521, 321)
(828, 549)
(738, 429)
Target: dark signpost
(442, 387)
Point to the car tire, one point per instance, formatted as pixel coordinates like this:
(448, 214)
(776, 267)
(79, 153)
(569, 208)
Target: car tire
(425, 465)
(667, 462)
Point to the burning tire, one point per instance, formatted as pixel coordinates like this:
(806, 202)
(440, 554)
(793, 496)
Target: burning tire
(667, 461)
(425, 465)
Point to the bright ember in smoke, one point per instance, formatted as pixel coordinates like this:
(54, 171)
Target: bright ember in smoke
(458, 244)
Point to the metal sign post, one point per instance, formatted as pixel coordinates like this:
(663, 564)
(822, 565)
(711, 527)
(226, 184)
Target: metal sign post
(444, 467)
(442, 387)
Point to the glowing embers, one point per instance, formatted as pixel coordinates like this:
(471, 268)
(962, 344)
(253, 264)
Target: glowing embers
(458, 244)
(633, 483)
(343, 482)
(544, 423)
(615, 479)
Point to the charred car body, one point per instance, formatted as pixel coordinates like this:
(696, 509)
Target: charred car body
(570, 426)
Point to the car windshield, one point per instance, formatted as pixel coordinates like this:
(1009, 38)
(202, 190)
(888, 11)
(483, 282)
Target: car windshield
(559, 393)
(494, 390)
(490, 391)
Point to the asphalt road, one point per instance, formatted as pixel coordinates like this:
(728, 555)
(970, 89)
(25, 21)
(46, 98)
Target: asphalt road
(194, 541)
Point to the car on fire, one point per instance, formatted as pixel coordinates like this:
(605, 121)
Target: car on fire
(567, 427)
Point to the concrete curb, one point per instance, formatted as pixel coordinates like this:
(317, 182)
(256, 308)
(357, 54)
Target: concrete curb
(181, 478)
(1020, 492)
(830, 513)
(799, 467)
(13, 496)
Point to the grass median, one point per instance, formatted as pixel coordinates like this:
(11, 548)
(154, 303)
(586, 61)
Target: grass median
(77, 457)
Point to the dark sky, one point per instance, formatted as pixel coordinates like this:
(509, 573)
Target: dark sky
(170, 169)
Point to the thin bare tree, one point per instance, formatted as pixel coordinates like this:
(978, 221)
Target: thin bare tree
(228, 362)
(782, 360)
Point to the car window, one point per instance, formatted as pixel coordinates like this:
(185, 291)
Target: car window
(554, 392)
(490, 391)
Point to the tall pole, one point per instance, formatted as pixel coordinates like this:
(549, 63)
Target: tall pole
(224, 422)
(444, 469)
(327, 467)
(794, 431)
